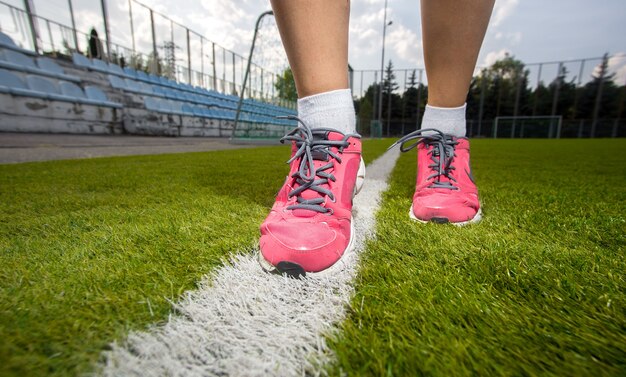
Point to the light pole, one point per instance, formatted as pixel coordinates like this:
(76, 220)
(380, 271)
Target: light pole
(382, 69)
(245, 77)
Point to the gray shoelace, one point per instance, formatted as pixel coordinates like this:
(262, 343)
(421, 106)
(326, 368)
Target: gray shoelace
(312, 144)
(442, 154)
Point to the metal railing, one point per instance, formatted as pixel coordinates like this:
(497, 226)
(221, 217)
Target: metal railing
(588, 93)
(170, 49)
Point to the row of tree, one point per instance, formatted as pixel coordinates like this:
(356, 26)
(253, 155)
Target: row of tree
(501, 89)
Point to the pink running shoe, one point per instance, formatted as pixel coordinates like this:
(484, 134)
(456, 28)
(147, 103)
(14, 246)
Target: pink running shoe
(310, 225)
(445, 191)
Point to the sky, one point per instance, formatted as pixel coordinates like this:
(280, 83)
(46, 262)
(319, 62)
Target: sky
(531, 30)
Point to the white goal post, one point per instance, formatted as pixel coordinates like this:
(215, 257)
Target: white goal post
(554, 123)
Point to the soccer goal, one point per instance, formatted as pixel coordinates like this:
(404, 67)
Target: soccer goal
(542, 126)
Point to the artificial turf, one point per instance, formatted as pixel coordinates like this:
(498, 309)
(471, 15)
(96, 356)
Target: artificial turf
(537, 288)
(91, 249)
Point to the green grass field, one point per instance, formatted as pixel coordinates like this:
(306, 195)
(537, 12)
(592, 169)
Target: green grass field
(537, 288)
(91, 249)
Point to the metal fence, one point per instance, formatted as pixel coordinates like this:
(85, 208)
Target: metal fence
(589, 98)
(136, 35)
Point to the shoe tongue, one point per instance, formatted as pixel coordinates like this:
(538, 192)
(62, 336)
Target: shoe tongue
(320, 158)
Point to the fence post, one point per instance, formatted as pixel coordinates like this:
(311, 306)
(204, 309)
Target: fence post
(375, 101)
(223, 70)
(189, 81)
(69, 3)
(555, 99)
(536, 99)
(389, 109)
(105, 18)
(483, 83)
(598, 104)
(132, 26)
(419, 101)
(202, 62)
(214, 68)
(403, 102)
(245, 78)
(34, 31)
(577, 92)
(155, 54)
(234, 73)
(518, 91)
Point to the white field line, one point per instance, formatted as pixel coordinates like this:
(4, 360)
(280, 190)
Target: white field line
(243, 321)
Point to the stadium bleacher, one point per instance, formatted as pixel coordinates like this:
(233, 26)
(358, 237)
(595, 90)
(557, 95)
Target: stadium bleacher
(129, 100)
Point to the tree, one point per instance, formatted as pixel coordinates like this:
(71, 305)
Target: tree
(286, 86)
(389, 82)
(504, 83)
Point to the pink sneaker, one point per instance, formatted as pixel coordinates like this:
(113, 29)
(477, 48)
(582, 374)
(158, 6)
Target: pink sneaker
(445, 190)
(310, 225)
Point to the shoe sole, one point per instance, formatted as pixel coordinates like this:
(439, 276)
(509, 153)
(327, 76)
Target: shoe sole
(444, 220)
(294, 270)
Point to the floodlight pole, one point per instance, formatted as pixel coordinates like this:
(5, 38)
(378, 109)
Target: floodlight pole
(34, 30)
(382, 69)
(245, 77)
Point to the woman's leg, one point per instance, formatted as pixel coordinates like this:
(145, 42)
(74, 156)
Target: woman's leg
(309, 226)
(453, 31)
(315, 36)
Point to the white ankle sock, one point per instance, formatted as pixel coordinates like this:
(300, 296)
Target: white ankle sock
(449, 120)
(333, 109)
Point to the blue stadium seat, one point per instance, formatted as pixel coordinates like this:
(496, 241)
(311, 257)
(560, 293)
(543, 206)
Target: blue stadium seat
(18, 60)
(116, 70)
(164, 105)
(40, 84)
(81, 60)
(138, 87)
(159, 91)
(132, 85)
(51, 68)
(141, 75)
(151, 104)
(176, 107)
(117, 82)
(46, 88)
(130, 72)
(7, 42)
(72, 90)
(10, 82)
(49, 65)
(165, 81)
(154, 79)
(187, 109)
(96, 94)
(100, 65)
(146, 87)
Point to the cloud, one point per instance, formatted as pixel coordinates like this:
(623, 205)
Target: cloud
(494, 56)
(406, 44)
(512, 39)
(502, 10)
(617, 66)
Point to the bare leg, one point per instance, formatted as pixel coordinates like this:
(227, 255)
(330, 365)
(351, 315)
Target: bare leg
(453, 31)
(315, 36)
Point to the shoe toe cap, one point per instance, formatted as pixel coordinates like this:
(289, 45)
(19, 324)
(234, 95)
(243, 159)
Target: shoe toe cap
(442, 206)
(314, 246)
